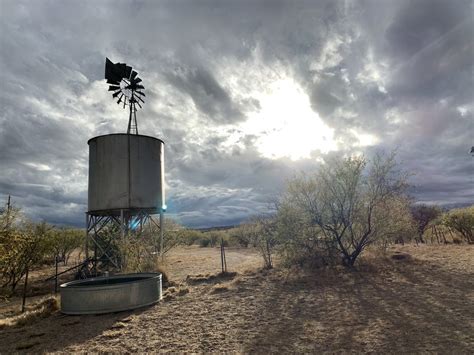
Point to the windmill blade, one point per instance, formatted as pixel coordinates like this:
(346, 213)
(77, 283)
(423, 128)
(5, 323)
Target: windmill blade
(113, 72)
(134, 74)
(140, 93)
(137, 80)
(139, 98)
(117, 93)
(126, 72)
(114, 82)
(138, 104)
(114, 87)
(138, 87)
(120, 99)
(124, 101)
(123, 69)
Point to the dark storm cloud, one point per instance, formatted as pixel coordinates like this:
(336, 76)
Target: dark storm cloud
(432, 54)
(399, 70)
(208, 96)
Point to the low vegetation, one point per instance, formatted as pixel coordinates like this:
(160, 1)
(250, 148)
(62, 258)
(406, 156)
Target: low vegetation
(25, 245)
(332, 216)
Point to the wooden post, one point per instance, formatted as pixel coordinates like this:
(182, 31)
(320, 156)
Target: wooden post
(223, 260)
(56, 278)
(24, 290)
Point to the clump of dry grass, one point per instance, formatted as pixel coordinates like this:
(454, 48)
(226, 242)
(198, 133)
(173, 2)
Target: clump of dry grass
(219, 288)
(164, 274)
(210, 278)
(401, 256)
(175, 291)
(227, 286)
(42, 309)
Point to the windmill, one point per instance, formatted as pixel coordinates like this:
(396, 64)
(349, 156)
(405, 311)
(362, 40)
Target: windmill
(126, 87)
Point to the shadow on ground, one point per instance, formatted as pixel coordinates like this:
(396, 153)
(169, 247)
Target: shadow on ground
(59, 331)
(405, 306)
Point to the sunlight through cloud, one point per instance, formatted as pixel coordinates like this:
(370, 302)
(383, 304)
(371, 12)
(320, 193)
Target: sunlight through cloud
(286, 124)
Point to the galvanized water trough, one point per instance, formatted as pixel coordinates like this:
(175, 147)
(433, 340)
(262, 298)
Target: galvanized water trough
(110, 294)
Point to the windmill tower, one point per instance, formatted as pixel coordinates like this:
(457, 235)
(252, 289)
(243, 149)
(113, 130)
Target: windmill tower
(126, 174)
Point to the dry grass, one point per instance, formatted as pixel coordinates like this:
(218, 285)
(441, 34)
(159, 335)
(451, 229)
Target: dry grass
(175, 291)
(33, 313)
(210, 278)
(416, 304)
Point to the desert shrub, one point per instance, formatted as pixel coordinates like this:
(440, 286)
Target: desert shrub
(244, 235)
(22, 246)
(213, 238)
(341, 209)
(204, 242)
(172, 237)
(224, 242)
(394, 222)
(138, 250)
(301, 242)
(265, 237)
(62, 242)
(462, 221)
(422, 215)
(190, 237)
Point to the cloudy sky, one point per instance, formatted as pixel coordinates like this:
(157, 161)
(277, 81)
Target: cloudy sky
(244, 93)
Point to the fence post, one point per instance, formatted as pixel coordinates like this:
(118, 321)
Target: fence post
(24, 290)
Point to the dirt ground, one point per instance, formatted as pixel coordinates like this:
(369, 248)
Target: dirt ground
(424, 303)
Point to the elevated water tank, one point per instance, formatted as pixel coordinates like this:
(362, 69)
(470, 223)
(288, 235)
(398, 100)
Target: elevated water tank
(126, 172)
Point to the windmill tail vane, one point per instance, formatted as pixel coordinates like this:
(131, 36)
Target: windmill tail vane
(126, 87)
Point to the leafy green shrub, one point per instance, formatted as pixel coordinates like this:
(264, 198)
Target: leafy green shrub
(190, 237)
(204, 242)
(462, 221)
(23, 245)
(62, 242)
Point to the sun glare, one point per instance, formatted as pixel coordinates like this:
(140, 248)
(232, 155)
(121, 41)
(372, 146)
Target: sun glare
(286, 124)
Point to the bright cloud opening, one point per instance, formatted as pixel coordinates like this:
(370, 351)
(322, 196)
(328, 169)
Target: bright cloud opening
(286, 124)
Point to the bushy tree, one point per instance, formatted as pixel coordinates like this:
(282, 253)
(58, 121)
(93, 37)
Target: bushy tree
(190, 236)
(265, 237)
(22, 246)
(423, 215)
(462, 221)
(139, 250)
(64, 241)
(245, 234)
(342, 208)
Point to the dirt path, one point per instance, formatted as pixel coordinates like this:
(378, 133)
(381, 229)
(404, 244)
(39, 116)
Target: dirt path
(193, 260)
(421, 305)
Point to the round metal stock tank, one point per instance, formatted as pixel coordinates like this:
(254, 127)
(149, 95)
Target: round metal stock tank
(110, 294)
(126, 171)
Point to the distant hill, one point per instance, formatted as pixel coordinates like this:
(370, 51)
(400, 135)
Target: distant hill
(217, 228)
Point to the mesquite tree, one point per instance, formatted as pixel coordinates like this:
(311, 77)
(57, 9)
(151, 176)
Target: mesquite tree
(423, 215)
(346, 204)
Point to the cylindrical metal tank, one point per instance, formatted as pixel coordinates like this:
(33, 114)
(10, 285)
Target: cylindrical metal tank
(126, 172)
(110, 294)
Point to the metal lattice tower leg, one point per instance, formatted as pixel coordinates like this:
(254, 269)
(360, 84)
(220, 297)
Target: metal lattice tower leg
(132, 121)
(102, 231)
